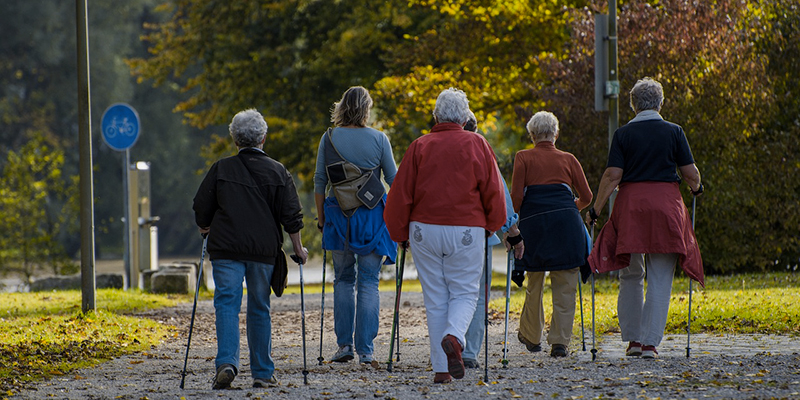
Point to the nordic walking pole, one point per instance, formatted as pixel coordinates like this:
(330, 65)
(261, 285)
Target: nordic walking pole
(689, 322)
(322, 313)
(583, 331)
(299, 262)
(486, 311)
(397, 327)
(194, 308)
(508, 301)
(594, 349)
(398, 291)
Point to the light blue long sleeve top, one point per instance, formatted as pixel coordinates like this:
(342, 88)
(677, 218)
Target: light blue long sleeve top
(363, 232)
(366, 147)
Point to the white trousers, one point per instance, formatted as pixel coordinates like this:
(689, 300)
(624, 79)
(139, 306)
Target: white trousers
(449, 261)
(643, 319)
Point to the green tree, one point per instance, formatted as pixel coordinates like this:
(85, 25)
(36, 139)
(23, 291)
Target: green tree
(289, 59)
(37, 94)
(491, 49)
(38, 204)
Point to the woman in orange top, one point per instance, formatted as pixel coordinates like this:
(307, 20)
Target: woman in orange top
(555, 238)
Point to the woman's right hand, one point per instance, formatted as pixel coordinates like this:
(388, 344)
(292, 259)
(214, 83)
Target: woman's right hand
(321, 224)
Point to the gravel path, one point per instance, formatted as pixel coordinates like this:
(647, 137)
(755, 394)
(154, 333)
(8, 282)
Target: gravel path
(721, 366)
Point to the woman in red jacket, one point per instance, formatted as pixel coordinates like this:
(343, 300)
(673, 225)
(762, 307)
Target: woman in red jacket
(446, 195)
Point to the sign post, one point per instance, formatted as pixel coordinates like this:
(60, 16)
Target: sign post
(120, 127)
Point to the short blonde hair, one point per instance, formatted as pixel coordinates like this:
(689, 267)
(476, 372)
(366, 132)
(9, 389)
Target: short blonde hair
(543, 125)
(353, 108)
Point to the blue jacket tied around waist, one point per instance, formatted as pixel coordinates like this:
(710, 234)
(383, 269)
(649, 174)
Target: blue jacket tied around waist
(555, 236)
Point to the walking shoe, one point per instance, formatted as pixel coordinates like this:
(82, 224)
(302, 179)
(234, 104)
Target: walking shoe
(455, 365)
(344, 354)
(265, 383)
(649, 352)
(365, 358)
(558, 350)
(532, 347)
(224, 377)
(634, 349)
(442, 377)
(470, 363)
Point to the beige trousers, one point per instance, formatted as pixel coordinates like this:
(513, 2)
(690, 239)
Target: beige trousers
(531, 323)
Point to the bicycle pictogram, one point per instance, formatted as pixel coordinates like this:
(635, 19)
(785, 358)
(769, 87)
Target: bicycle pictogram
(123, 128)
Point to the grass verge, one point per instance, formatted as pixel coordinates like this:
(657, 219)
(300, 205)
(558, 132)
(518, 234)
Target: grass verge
(764, 303)
(46, 334)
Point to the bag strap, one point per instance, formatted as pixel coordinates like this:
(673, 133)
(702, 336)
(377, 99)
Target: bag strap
(337, 156)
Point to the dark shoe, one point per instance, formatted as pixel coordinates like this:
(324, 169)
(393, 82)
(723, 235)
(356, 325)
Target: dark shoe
(344, 354)
(265, 383)
(455, 365)
(532, 347)
(558, 350)
(634, 349)
(518, 277)
(442, 377)
(224, 377)
(649, 352)
(470, 363)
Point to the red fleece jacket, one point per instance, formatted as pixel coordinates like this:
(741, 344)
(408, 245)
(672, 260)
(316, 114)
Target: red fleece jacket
(447, 177)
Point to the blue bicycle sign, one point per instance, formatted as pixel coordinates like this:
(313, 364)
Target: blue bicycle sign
(120, 126)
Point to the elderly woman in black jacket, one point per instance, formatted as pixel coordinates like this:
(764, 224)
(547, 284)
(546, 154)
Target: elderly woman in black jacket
(243, 204)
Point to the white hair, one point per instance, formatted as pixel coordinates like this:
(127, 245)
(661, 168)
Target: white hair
(451, 106)
(647, 94)
(248, 128)
(543, 125)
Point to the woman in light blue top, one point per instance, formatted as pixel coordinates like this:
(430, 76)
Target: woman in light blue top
(358, 239)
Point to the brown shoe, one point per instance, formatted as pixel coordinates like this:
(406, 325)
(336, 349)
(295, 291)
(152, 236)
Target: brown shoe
(442, 377)
(455, 365)
(532, 347)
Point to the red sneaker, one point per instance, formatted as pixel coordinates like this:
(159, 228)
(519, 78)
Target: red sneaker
(455, 365)
(634, 349)
(649, 352)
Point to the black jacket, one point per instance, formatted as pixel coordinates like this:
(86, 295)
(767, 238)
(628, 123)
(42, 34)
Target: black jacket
(246, 210)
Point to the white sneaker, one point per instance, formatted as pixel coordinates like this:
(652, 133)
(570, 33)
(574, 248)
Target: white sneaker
(344, 354)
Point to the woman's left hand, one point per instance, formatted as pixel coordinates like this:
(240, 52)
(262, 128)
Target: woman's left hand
(519, 250)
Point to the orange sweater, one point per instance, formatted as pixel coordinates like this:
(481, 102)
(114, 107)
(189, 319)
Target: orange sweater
(544, 165)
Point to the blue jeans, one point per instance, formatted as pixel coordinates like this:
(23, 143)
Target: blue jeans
(356, 313)
(228, 276)
(477, 327)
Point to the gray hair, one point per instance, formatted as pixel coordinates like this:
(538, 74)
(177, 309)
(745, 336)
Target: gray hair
(353, 108)
(647, 94)
(248, 128)
(543, 125)
(472, 123)
(451, 106)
